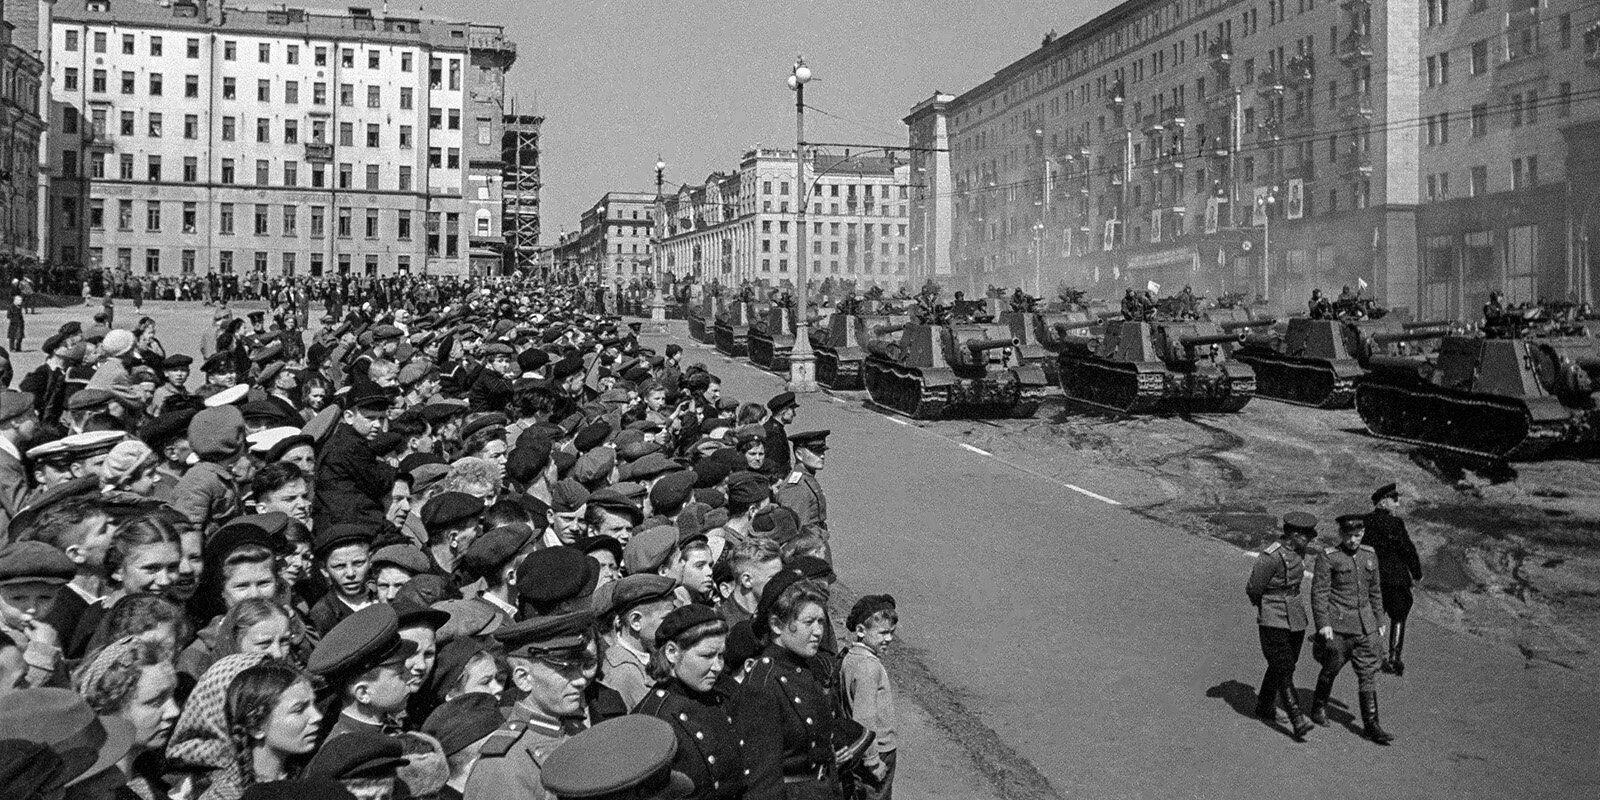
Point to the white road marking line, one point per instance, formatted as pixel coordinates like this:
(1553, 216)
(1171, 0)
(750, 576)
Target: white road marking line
(1086, 493)
(980, 452)
(897, 421)
(1252, 554)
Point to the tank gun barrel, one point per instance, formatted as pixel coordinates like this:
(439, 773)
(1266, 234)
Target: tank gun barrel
(985, 345)
(1199, 340)
(1408, 336)
(885, 330)
(1244, 324)
(1435, 323)
(1105, 315)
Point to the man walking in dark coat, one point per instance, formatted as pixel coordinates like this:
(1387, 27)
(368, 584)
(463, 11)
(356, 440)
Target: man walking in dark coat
(1398, 567)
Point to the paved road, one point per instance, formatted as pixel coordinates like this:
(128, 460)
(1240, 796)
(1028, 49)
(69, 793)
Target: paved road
(1076, 648)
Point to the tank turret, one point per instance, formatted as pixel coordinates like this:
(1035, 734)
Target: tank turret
(1316, 362)
(966, 369)
(770, 339)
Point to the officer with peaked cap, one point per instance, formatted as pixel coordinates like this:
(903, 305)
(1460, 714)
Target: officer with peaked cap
(1274, 589)
(629, 758)
(552, 661)
(801, 491)
(783, 408)
(1398, 567)
(1347, 606)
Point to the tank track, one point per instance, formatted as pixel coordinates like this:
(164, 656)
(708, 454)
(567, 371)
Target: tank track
(759, 350)
(1240, 392)
(1302, 382)
(698, 331)
(1111, 386)
(1495, 428)
(903, 390)
(834, 373)
(731, 343)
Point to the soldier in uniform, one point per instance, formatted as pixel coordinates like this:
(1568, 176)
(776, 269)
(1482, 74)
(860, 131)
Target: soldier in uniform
(800, 491)
(1398, 566)
(629, 758)
(551, 660)
(783, 408)
(1346, 600)
(1274, 589)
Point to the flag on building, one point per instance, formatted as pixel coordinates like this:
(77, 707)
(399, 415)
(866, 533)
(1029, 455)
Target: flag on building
(1213, 206)
(1361, 282)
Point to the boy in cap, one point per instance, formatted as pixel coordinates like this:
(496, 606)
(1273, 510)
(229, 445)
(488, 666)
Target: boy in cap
(353, 484)
(343, 554)
(362, 658)
(462, 726)
(864, 683)
(19, 423)
(174, 386)
(31, 575)
(208, 493)
(639, 602)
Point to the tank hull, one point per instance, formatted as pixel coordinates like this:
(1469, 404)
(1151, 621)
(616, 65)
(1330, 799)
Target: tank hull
(1311, 382)
(731, 340)
(769, 353)
(1474, 424)
(840, 369)
(941, 393)
(1149, 387)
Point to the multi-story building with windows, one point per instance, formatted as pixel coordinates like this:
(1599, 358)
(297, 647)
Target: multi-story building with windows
(740, 226)
(21, 130)
(612, 243)
(204, 138)
(1426, 148)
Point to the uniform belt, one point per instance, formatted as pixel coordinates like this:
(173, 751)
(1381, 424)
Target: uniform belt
(817, 774)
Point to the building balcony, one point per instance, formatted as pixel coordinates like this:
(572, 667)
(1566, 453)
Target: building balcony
(1300, 70)
(1269, 83)
(1152, 124)
(1356, 106)
(1116, 98)
(1355, 48)
(1174, 116)
(1221, 53)
(319, 151)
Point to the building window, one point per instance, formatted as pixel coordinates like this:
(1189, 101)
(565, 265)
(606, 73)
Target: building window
(99, 42)
(264, 52)
(435, 157)
(192, 48)
(455, 74)
(69, 79)
(405, 136)
(403, 225)
(372, 177)
(347, 134)
(261, 220)
(374, 97)
(319, 57)
(319, 94)
(97, 214)
(372, 266)
(319, 222)
(227, 170)
(373, 59)
(435, 119)
(347, 95)
(405, 62)
(225, 219)
(405, 178)
(264, 90)
(127, 83)
(291, 131)
(1480, 119)
(191, 86)
(407, 98)
(291, 221)
(127, 44)
(1524, 172)
(124, 215)
(453, 158)
(72, 41)
(229, 129)
(372, 134)
(455, 119)
(372, 223)
(263, 172)
(288, 264)
(153, 125)
(152, 261)
(1480, 56)
(291, 173)
(316, 265)
(153, 169)
(346, 173)
(1480, 182)
(343, 230)
(230, 89)
(152, 215)
(261, 262)
(225, 262)
(291, 54)
(291, 92)
(191, 169)
(263, 129)
(230, 51)
(125, 166)
(190, 213)
(186, 262)
(319, 176)
(347, 58)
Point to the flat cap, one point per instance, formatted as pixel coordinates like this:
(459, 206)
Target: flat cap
(167, 427)
(364, 640)
(615, 501)
(498, 349)
(177, 361)
(89, 398)
(567, 496)
(815, 441)
(532, 360)
(631, 590)
(544, 635)
(481, 422)
(591, 436)
(647, 550)
(217, 434)
(628, 756)
(34, 562)
(747, 488)
(428, 589)
(14, 404)
(566, 367)
(450, 509)
(366, 394)
(715, 468)
(415, 371)
(682, 619)
(528, 460)
(337, 535)
(649, 467)
(384, 333)
(554, 575)
(781, 401)
(1385, 491)
(777, 523)
(355, 755)
(1299, 521)
(672, 490)
(592, 544)
(468, 618)
(408, 557)
(413, 614)
(494, 549)
(464, 720)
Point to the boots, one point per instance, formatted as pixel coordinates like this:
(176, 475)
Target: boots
(1291, 704)
(1397, 666)
(1265, 710)
(1369, 719)
(1319, 700)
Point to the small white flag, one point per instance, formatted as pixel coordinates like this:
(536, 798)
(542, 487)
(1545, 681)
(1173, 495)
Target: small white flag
(1361, 282)
(1155, 288)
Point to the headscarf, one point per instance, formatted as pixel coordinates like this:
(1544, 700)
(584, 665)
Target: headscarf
(201, 739)
(94, 669)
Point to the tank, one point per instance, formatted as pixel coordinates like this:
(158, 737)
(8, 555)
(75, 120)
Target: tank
(1316, 362)
(841, 349)
(1050, 330)
(1137, 367)
(702, 318)
(928, 371)
(771, 339)
(732, 331)
(1512, 395)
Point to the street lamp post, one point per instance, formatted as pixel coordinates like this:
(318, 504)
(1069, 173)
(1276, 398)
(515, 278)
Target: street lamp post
(658, 304)
(802, 360)
(1266, 203)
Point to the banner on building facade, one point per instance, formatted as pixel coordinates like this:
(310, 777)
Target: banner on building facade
(1109, 238)
(1213, 208)
(1258, 213)
(1295, 208)
(1155, 224)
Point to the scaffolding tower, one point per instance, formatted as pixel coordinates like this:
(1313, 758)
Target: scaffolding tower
(519, 208)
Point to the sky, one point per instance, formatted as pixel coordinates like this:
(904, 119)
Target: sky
(697, 83)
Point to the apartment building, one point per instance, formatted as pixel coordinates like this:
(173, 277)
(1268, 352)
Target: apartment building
(21, 130)
(1274, 147)
(202, 138)
(612, 244)
(738, 226)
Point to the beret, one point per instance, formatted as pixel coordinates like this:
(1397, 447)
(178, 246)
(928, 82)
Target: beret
(364, 640)
(550, 634)
(627, 756)
(14, 404)
(563, 461)
(333, 536)
(1386, 490)
(528, 459)
(566, 367)
(357, 754)
(34, 562)
(567, 496)
(466, 719)
(672, 490)
(177, 361)
(811, 567)
(449, 509)
(682, 619)
(631, 590)
(494, 549)
(167, 427)
(715, 468)
(532, 359)
(405, 556)
(648, 550)
(554, 575)
(1299, 520)
(54, 343)
(769, 595)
